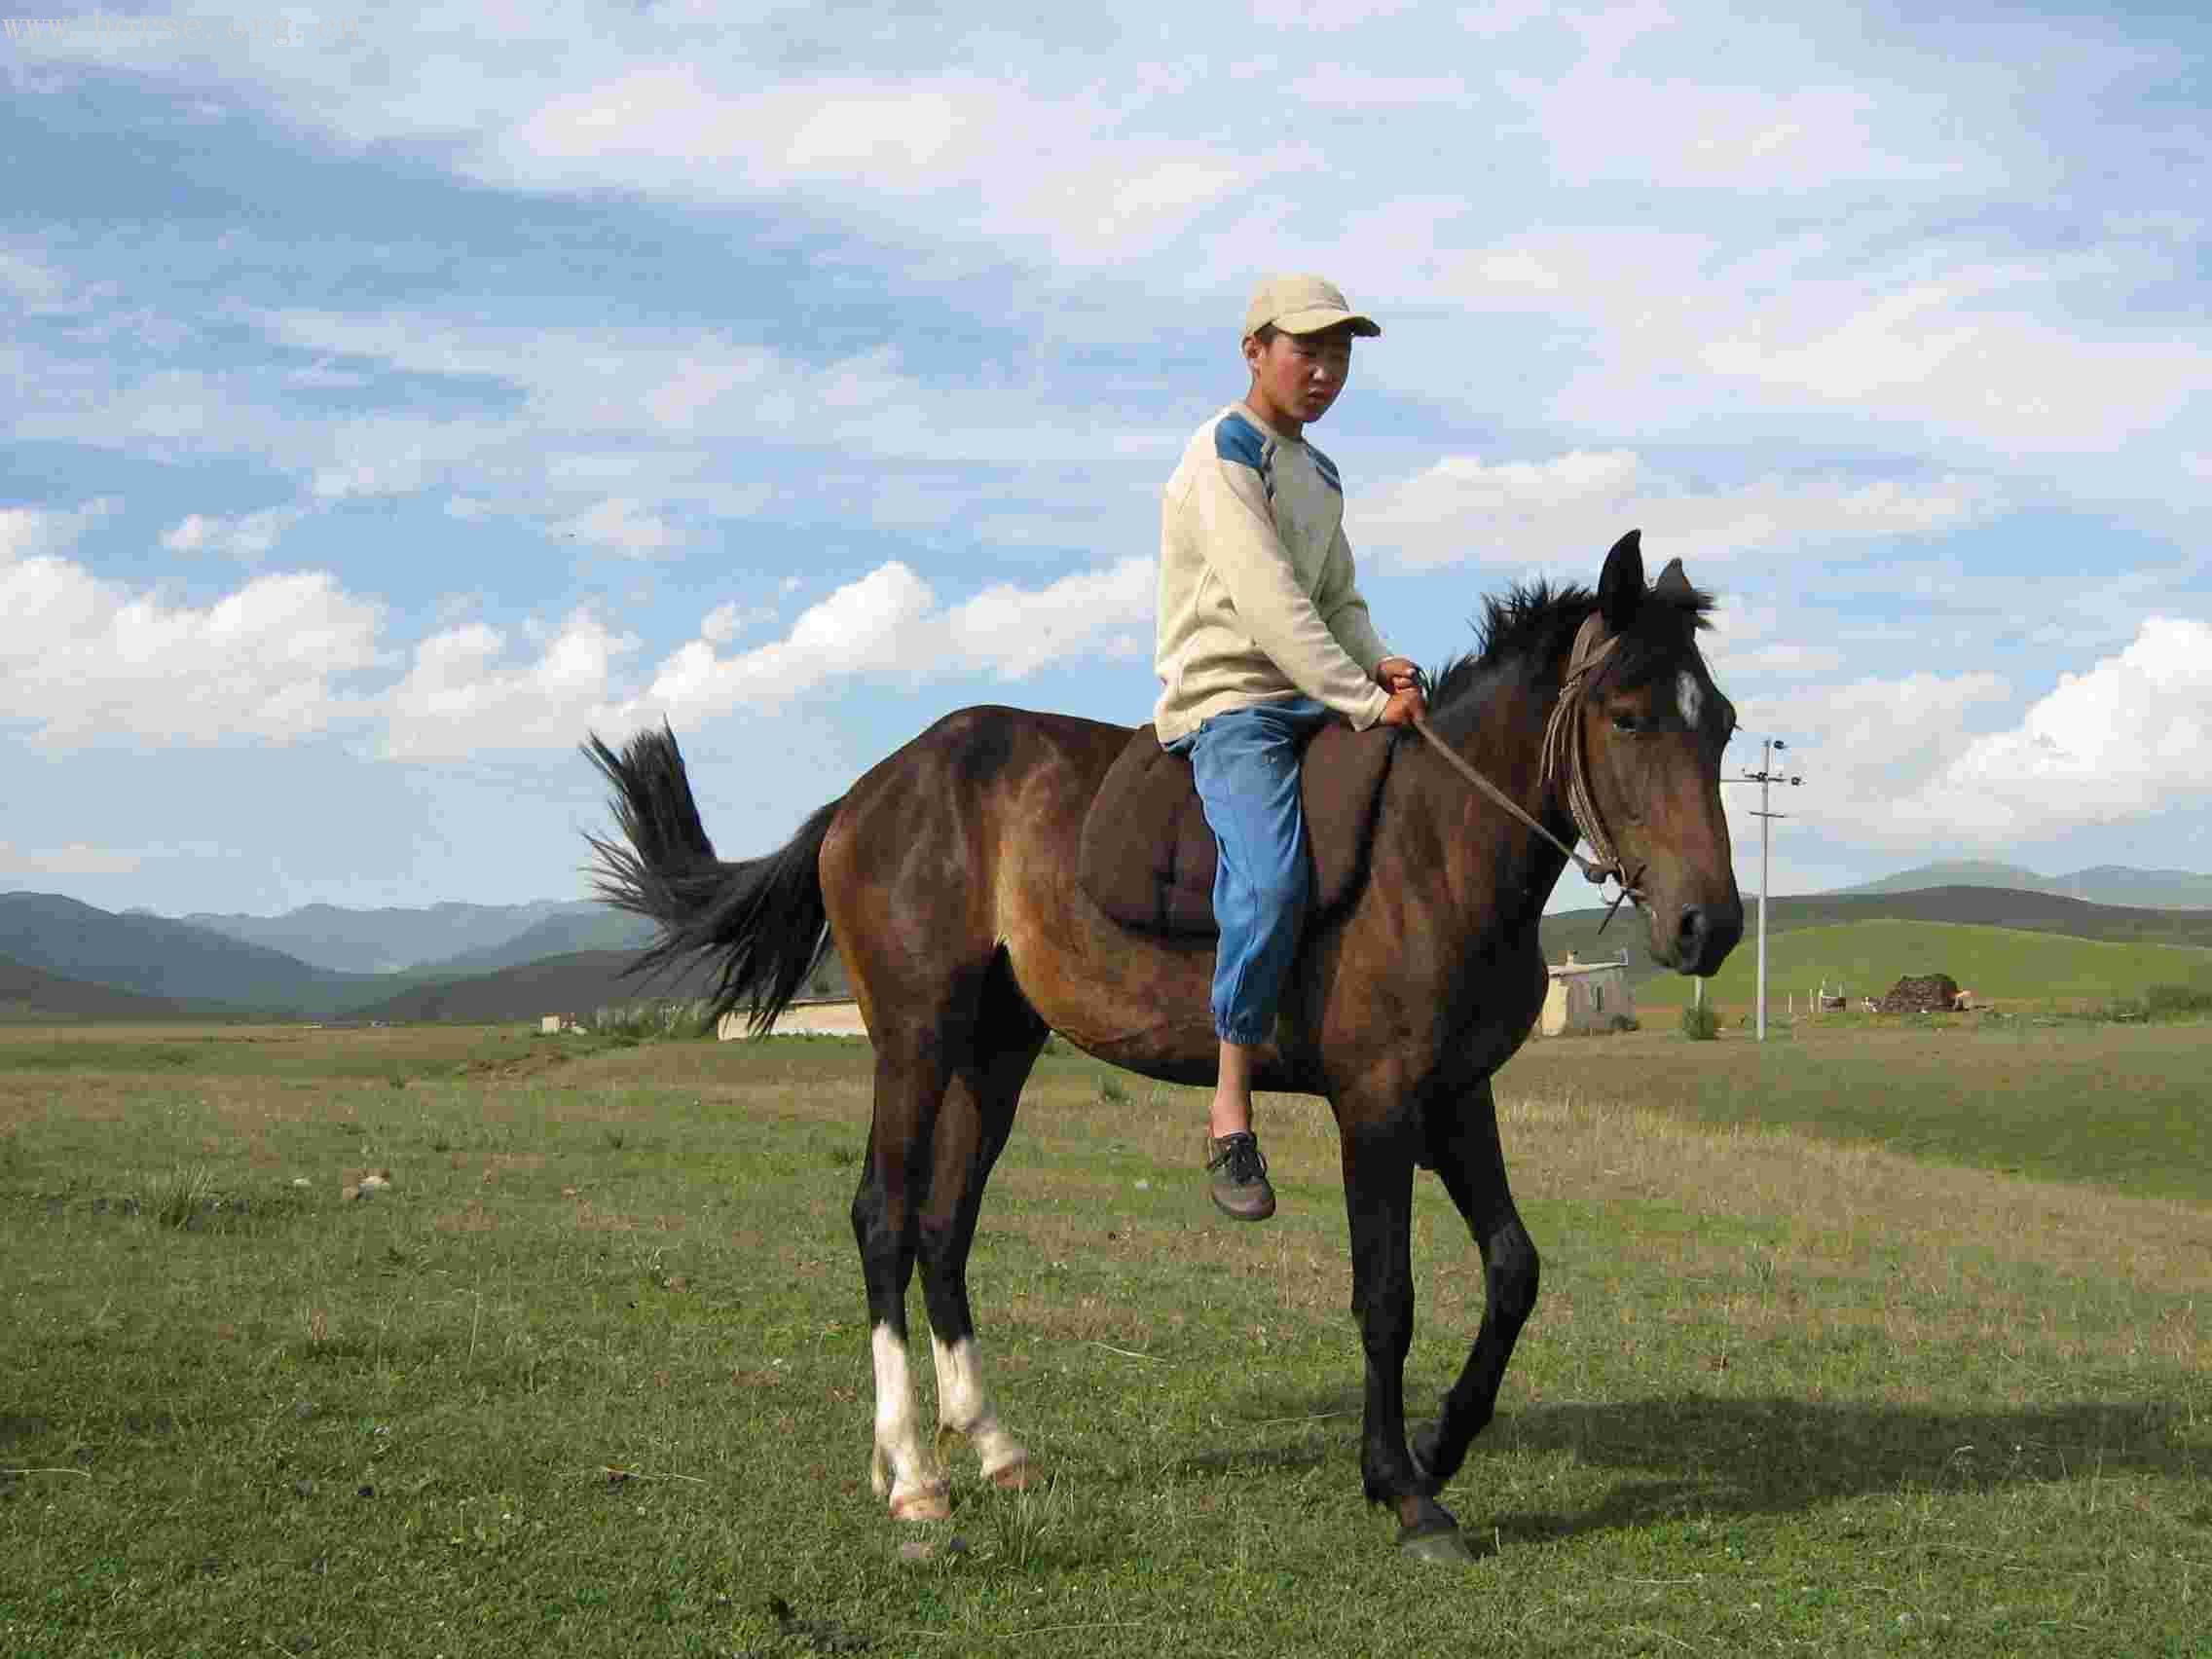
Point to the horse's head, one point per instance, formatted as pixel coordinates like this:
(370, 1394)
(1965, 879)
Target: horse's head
(1652, 727)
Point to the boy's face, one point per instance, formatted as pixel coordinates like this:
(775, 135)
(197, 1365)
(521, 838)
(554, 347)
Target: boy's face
(1298, 376)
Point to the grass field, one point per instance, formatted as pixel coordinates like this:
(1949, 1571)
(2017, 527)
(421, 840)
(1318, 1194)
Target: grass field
(592, 1377)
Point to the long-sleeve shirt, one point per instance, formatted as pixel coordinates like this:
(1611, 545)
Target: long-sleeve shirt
(1257, 599)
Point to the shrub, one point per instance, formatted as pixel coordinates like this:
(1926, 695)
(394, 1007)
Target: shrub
(2178, 999)
(1700, 1024)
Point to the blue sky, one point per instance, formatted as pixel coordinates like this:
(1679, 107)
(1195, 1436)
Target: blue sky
(391, 398)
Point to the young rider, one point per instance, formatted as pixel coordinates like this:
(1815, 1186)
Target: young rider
(1262, 639)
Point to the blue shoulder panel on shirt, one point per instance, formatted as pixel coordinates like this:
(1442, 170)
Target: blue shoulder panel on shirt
(1327, 468)
(1236, 439)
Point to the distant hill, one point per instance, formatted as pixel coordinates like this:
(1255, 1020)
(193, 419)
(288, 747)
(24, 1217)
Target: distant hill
(1866, 958)
(2100, 884)
(158, 957)
(572, 930)
(30, 994)
(563, 985)
(385, 940)
(1982, 906)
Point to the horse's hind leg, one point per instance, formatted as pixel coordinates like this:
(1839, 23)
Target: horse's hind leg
(972, 1128)
(908, 1086)
(1463, 1146)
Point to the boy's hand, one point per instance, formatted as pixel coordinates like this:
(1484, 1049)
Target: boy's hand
(1403, 706)
(1396, 674)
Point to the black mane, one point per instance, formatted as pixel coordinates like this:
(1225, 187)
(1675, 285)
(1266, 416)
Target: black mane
(1533, 625)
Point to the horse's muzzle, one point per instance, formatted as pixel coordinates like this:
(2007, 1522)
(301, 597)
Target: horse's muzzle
(1705, 935)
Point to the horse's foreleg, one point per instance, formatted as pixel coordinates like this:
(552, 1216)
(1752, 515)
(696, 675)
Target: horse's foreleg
(900, 1467)
(971, 1129)
(1463, 1147)
(1379, 1186)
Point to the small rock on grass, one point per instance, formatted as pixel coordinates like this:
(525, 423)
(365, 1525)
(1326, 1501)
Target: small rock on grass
(922, 1549)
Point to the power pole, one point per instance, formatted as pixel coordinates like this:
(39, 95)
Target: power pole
(1766, 777)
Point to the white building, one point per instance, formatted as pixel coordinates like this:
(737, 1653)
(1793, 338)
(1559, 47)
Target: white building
(1586, 996)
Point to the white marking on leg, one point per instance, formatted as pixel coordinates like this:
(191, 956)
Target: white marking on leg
(899, 1468)
(1689, 697)
(964, 1406)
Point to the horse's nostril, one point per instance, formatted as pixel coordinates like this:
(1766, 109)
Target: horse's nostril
(1691, 928)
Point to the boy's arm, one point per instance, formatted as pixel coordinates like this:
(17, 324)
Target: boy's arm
(1343, 610)
(1237, 536)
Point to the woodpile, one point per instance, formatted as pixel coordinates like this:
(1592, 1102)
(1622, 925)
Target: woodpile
(1927, 993)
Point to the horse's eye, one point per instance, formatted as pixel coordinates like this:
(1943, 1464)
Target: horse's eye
(1626, 724)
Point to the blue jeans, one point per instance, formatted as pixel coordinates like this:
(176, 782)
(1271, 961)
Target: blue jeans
(1247, 762)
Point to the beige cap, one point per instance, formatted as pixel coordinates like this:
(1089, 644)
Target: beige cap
(1302, 304)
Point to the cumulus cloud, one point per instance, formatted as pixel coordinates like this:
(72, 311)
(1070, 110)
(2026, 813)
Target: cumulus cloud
(84, 662)
(1567, 510)
(2128, 737)
(889, 622)
(461, 695)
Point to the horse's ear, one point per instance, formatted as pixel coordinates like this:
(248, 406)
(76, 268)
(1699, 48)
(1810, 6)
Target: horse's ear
(1673, 584)
(1620, 587)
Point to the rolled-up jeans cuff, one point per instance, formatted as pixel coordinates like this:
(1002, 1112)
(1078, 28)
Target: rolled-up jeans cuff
(1249, 1039)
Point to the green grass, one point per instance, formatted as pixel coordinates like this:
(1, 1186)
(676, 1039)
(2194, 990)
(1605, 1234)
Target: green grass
(593, 1376)
(2005, 964)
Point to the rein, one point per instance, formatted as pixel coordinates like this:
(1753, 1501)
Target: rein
(1563, 753)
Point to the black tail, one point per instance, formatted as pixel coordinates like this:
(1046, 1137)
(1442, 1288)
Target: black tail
(765, 916)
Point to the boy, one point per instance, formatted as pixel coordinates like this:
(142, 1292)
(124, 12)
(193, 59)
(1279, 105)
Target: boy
(1262, 639)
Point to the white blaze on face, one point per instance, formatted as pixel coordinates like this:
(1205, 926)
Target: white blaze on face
(1689, 698)
(964, 1405)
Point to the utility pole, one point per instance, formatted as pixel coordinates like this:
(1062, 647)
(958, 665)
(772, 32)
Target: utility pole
(1766, 777)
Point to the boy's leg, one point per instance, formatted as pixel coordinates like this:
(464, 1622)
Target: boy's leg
(1246, 764)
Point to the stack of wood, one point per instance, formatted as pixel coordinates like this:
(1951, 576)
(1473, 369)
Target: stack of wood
(1927, 993)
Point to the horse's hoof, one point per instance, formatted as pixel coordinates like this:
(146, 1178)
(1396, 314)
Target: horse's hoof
(930, 1503)
(1443, 1544)
(1017, 1476)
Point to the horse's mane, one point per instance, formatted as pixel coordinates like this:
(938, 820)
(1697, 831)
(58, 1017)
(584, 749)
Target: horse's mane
(1533, 623)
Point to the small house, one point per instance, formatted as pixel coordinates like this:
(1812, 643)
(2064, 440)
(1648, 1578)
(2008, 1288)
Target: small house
(1586, 996)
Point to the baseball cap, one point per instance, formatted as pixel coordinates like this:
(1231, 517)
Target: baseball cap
(1302, 304)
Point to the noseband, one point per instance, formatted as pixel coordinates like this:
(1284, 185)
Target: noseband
(1563, 757)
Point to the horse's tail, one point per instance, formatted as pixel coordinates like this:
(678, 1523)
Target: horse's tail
(764, 918)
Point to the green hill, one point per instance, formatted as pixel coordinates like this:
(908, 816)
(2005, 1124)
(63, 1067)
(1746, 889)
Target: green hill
(32, 996)
(1866, 958)
(1982, 906)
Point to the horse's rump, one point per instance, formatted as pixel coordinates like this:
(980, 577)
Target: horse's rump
(1147, 856)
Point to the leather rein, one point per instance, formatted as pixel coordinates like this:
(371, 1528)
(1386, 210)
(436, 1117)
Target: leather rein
(1563, 756)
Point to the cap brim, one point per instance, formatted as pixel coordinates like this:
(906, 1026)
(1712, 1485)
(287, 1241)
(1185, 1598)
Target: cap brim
(1316, 319)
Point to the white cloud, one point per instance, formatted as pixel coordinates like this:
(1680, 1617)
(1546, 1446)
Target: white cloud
(461, 697)
(2129, 737)
(1567, 510)
(29, 532)
(248, 538)
(623, 524)
(75, 858)
(889, 622)
(86, 661)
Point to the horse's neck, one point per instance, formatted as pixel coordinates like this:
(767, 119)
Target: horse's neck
(1504, 742)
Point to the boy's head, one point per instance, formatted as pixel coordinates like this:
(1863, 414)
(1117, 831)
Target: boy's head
(1298, 335)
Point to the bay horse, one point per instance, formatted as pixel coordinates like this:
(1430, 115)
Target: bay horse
(947, 877)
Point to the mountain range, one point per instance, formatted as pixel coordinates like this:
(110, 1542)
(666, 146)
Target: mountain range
(449, 937)
(61, 958)
(2100, 884)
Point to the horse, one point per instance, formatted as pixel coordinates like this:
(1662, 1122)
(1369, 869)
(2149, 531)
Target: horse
(947, 877)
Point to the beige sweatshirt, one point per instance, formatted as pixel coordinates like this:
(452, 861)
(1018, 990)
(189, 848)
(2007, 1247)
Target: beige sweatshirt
(1256, 592)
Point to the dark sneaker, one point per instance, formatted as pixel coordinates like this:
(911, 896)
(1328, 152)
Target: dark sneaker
(1238, 1177)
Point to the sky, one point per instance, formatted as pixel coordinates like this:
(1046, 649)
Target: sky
(392, 397)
